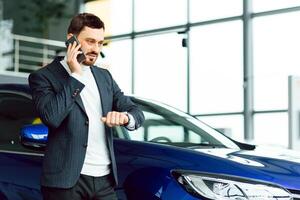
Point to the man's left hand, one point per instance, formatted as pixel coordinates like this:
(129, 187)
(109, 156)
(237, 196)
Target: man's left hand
(115, 119)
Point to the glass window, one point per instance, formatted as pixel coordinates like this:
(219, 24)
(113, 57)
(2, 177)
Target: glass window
(158, 129)
(266, 5)
(202, 10)
(118, 61)
(167, 125)
(276, 56)
(217, 68)
(116, 15)
(160, 69)
(151, 14)
(271, 129)
(230, 125)
(15, 112)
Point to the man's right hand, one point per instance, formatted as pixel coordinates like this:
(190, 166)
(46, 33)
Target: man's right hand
(72, 53)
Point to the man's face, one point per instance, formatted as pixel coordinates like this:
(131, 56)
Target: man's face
(91, 40)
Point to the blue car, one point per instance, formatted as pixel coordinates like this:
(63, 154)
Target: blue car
(173, 156)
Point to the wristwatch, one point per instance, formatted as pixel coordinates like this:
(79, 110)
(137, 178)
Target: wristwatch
(126, 113)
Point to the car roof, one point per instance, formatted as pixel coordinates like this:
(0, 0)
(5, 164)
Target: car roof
(25, 89)
(15, 87)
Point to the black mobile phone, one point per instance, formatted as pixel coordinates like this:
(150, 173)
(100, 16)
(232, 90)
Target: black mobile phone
(80, 57)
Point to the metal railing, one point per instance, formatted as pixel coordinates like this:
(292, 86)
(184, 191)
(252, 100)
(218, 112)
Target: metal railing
(32, 53)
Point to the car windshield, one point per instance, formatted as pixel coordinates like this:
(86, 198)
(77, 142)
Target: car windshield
(167, 125)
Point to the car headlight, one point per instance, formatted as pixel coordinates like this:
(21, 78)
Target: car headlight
(211, 186)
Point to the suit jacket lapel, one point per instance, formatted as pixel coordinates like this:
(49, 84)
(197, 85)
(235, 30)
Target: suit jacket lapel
(80, 103)
(102, 89)
(62, 75)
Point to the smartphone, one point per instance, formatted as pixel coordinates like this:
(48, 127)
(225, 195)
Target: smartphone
(80, 57)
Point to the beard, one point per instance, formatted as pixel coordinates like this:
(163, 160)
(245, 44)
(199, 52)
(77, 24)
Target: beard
(91, 58)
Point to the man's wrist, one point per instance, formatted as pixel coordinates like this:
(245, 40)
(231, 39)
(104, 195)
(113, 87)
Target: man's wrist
(131, 122)
(126, 113)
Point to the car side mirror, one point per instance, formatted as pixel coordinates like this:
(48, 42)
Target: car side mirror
(34, 136)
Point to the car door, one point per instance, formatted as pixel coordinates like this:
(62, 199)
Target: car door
(20, 167)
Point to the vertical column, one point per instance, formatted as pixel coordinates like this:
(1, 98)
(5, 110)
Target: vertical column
(45, 54)
(1, 10)
(248, 70)
(188, 58)
(17, 51)
(132, 49)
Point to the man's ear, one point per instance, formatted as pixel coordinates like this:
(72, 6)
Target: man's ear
(69, 35)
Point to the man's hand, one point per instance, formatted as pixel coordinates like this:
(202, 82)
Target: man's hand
(115, 119)
(72, 53)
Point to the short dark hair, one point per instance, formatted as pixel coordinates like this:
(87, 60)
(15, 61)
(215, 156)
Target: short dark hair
(84, 19)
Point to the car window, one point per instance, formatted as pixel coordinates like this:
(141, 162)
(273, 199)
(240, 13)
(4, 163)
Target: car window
(159, 129)
(16, 111)
(164, 126)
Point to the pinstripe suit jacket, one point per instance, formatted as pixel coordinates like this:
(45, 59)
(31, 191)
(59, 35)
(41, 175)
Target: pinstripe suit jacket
(56, 96)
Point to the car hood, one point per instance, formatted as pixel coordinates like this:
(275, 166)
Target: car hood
(275, 165)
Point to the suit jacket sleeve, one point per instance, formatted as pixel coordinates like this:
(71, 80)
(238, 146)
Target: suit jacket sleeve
(123, 103)
(53, 106)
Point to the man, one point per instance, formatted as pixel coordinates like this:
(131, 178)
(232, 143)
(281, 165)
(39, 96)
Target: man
(80, 103)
